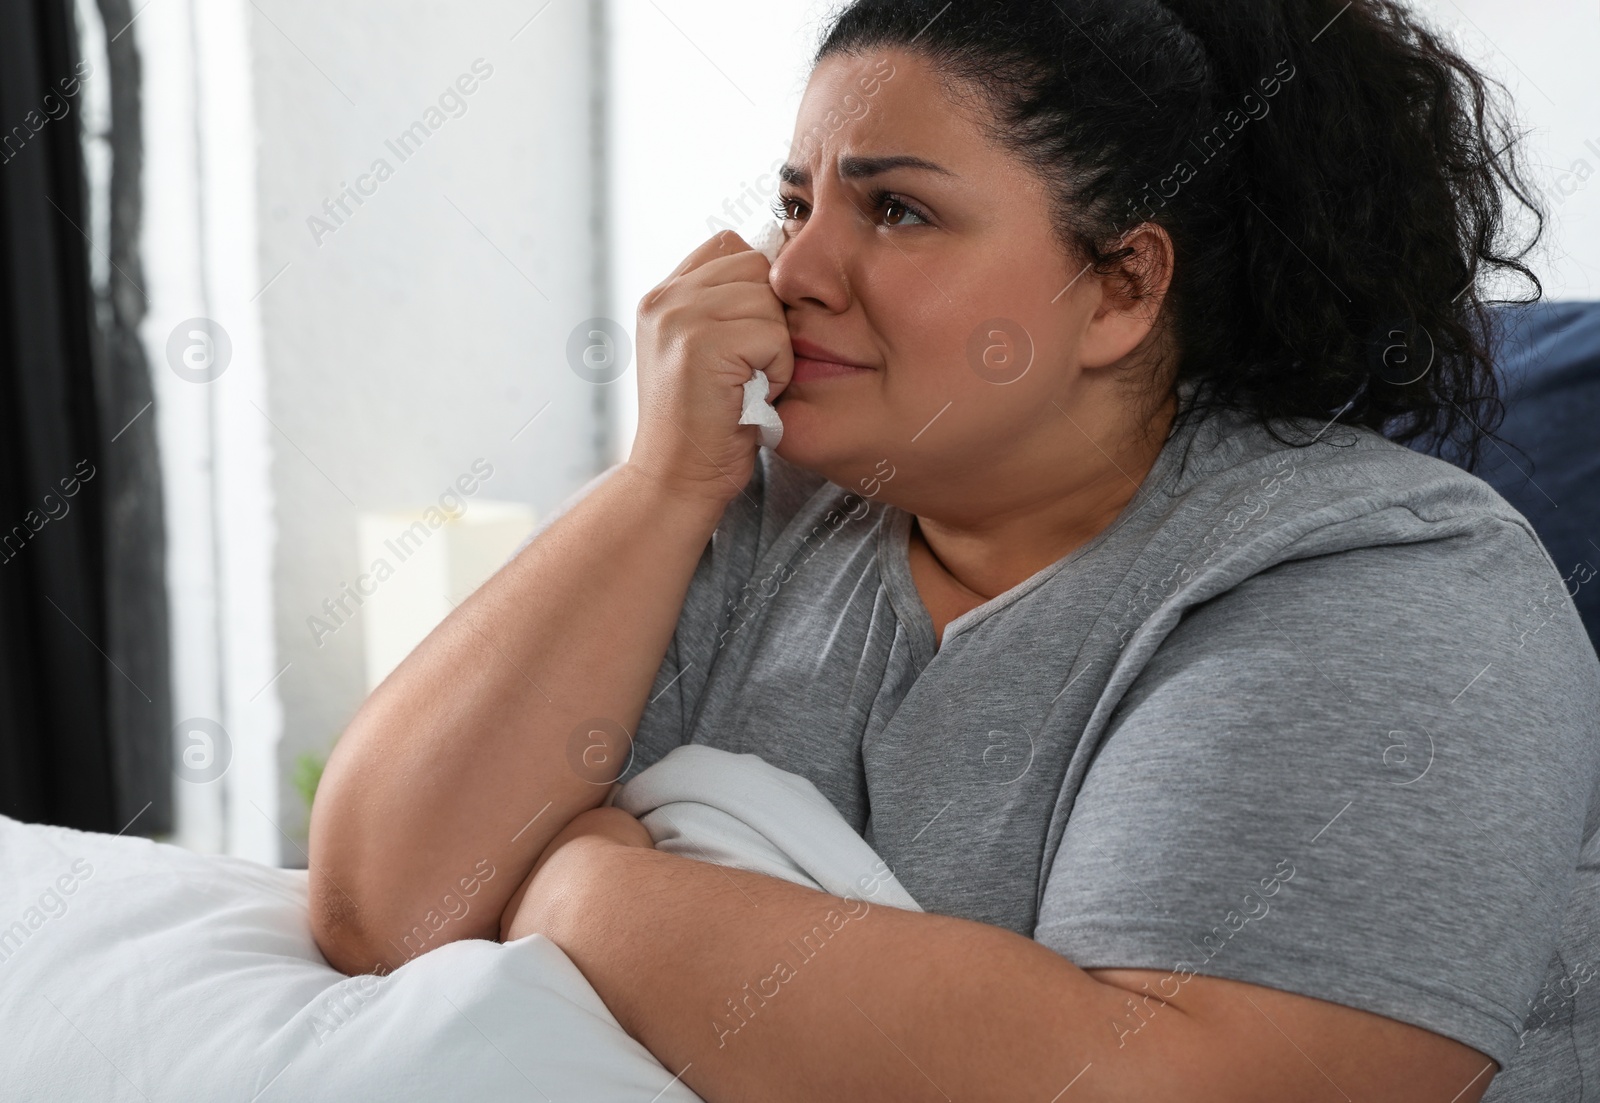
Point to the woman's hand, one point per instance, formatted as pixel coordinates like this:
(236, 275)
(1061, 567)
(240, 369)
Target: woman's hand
(702, 333)
(528, 911)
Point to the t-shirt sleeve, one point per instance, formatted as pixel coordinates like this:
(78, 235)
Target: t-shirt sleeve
(722, 571)
(1363, 776)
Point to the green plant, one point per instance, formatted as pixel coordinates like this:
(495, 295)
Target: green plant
(307, 774)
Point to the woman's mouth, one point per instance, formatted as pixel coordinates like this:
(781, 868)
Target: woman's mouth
(813, 362)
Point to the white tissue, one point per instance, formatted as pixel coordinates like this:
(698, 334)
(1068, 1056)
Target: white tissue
(757, 410)
(768, 241)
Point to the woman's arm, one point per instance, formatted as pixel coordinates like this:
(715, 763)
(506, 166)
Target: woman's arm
(748, 987)
(470, 757)
(611, 824)
(465, 753)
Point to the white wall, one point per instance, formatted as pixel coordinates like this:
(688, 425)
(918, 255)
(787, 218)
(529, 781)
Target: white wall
(1545, 54)
(422, 334)
(703, 102)
(379, 352)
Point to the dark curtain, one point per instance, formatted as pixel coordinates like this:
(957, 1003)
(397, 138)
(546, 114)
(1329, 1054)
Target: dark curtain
(85, 700)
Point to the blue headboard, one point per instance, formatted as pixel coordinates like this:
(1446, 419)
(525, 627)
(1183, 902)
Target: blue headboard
(1549, 355)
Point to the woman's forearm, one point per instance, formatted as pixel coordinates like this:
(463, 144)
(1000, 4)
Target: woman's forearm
(748, 987)
(464, 763)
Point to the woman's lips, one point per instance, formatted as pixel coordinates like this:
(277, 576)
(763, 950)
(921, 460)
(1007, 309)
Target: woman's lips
(813, 362)
(807, 370)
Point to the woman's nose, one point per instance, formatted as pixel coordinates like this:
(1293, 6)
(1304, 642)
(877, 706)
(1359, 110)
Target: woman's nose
(813, 266)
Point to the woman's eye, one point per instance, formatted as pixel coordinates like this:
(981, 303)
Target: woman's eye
(786, 209)
(898, 212)
(895, 213)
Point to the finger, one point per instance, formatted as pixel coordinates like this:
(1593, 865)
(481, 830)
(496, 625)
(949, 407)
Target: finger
(757, 343)
(780, 369)
(743, 266)
(731, 302)
(722, 244)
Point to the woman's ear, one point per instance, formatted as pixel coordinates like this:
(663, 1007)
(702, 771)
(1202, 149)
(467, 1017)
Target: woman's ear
(1130, 298)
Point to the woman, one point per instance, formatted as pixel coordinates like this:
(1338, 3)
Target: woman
(1236, 750)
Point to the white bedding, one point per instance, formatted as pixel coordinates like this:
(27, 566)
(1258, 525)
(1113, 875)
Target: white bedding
(132, 970)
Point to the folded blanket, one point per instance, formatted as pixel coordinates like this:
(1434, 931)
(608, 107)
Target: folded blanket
(133, 970)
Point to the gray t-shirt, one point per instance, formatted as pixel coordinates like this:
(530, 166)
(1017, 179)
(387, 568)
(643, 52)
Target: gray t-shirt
(1322, 719)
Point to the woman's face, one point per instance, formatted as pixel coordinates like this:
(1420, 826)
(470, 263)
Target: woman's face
(920, 251)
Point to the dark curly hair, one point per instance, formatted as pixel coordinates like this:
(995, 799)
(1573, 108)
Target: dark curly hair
(1336, 181)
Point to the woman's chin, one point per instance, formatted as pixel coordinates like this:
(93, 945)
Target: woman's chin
(800, 451)
(822, 445)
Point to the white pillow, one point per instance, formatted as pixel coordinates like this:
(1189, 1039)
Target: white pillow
(140, 971)
(133, 970)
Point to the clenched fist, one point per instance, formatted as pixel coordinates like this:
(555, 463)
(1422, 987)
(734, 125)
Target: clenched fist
(702, 333)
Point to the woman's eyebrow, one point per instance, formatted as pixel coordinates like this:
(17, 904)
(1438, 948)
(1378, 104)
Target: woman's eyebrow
(858, 168)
